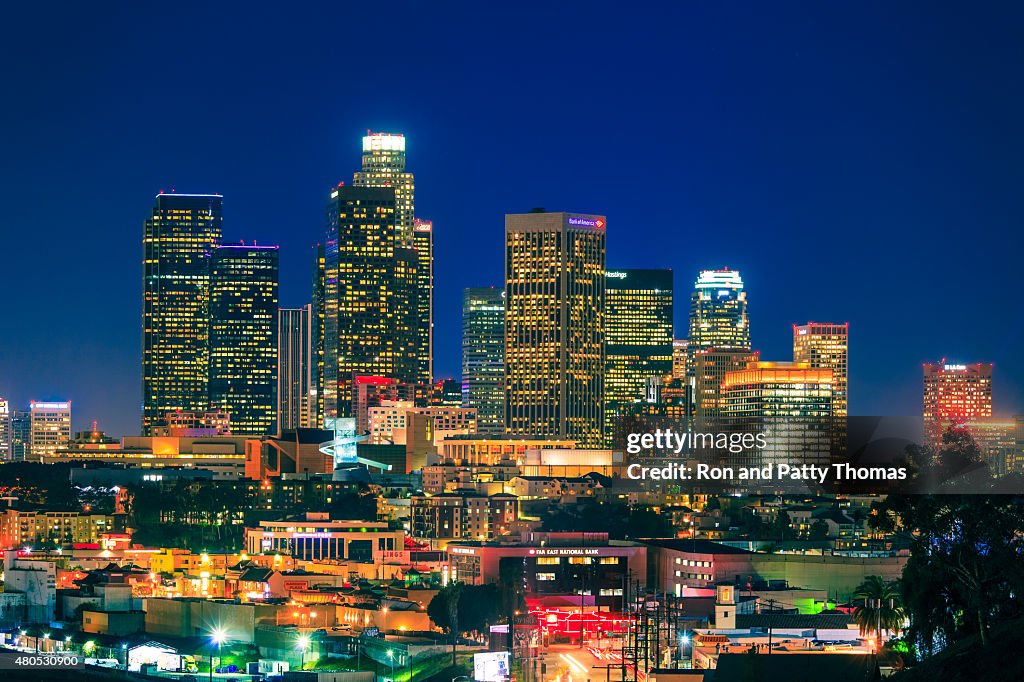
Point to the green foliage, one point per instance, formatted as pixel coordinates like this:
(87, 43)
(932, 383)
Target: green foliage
(880, 606)
(620, 521)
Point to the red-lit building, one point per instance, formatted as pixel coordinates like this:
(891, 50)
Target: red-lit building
(953, 395)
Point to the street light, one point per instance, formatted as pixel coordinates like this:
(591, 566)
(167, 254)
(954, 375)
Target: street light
(217, 638)
(302, 644)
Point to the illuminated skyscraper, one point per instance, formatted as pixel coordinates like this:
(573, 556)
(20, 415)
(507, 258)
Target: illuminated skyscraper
(638, 335)
(51, 428)
(423, 243)
(953, 395)
(789, 402)
(483, 357)
(243, 337)
(384, 166)
(178, 238)
(679, 358)
(296, 368)
(718, 312)
(21, 435)
(370, 317)
(317, 313)
(709, 369)
(554, 326)
(6, 431)
(825, 345)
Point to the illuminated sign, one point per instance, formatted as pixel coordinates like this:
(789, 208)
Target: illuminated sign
(492, 666)
(461, 550)
(615, 275)
(576, 221)
(565, 552)
(385, 142)
(954, 368)
(312, 535)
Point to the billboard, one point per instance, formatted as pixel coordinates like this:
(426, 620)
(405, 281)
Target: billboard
(491, 666)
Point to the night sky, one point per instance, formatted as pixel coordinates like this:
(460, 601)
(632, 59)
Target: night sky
(856, 162)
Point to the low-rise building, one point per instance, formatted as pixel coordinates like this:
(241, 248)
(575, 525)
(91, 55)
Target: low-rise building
(463, 516)
(316, 536)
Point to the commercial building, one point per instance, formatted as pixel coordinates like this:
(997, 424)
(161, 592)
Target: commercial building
(554, 326)
(483, 357)
(296, 368)
(178, 239)
(222, 455)
(21, 434)
(585, 567)
(370, 295)
(953, 394)
(6, 431)
(423, 243)
(387, 420)
(826, 345)
(638, 336)
(316, 536)
(680, 348)
(21, 528)
(789, 403)
(475, 450)
(243, 336)
(709, 367)
(50, 428)
(718, 312)
(465, 516)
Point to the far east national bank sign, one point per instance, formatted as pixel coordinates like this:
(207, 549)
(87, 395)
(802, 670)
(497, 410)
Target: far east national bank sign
(577, 221)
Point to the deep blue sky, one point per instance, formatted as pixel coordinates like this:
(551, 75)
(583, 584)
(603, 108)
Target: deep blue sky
(857, 162)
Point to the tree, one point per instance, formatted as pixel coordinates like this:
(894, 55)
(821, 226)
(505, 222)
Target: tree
(819, 530)
(881, 607)
(443, 609)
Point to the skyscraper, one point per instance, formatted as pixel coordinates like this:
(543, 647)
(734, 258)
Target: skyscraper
(243, 336)
(483, 357)
(296, 363)
(825, 345)
(638, 335)
(384, 166)
(554, 326)
(370, 319)
(6, 431)
(954, 394)
(178, 239)
(317, 313)
(709, 369)
(21, 435)
(423, 243)
(718, 312)
(679, 358)
(50, 428)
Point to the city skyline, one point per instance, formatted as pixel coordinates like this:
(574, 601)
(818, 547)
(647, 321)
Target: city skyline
(861, 188)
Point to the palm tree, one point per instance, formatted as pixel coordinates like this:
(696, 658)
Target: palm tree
(881, 607)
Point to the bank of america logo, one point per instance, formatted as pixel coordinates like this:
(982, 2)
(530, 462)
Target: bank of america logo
(587, 222)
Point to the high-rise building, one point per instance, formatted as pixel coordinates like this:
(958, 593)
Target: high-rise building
(679, 358)
(423, 243)
(709, 369)
(384, 166)
(317, 312)
(790, 403)
(825, 345)
(370, 318)
(954, 394)
(243, 337)
(718, 312)
(21, 435)
(6, 431)
(483, 357)
(50, 428)
(178, 239)
(638, 336)
(296, 368)
(554, 326)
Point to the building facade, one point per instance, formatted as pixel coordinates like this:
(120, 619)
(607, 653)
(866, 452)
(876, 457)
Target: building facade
(718, 312)
(296, 368)
(316, 536)
(179, 238)
(826, 345)
(483, 357)
(638, 336)
(50, 428)
(554, 326)
(243, 336)
(423, 244)
(6, 431)
(463, 516)
(953, 394)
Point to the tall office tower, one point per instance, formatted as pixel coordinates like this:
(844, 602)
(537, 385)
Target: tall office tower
(709, 369)
(637, 334)
(554, 326)
(296, 367)
(6, 431)
(423, 243)
(789, 402)
(21, 435)
(483, 357)
(178, 238)
(50, 428)
(718, 312)
(679, 358)
(954, 394)
(369, 294)
(317, 313)
(825, 345)
(243, 337)
(384, 166)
